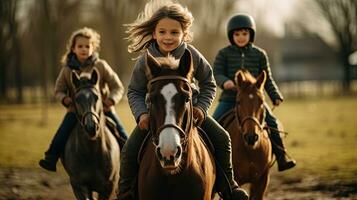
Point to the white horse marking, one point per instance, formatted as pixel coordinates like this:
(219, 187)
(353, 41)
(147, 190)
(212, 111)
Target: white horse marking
(169, 138)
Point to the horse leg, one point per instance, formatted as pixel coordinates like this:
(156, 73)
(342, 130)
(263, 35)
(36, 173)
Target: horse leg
(258, 188)
(81, 192)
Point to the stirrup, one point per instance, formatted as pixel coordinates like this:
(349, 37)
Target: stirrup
(239, 193)
(235, 193)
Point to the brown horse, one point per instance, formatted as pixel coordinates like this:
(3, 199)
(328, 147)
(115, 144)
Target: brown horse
(176, 165)
(91, 156)
(251, 147)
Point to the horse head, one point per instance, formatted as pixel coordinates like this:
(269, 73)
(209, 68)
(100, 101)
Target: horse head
(87, 101)
(250, 106)
(170, 107)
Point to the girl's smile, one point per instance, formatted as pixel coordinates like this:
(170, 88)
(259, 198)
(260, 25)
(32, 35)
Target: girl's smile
(168, 34)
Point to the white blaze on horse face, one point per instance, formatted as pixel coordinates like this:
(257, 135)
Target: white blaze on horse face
(169, 138)
(251, 96)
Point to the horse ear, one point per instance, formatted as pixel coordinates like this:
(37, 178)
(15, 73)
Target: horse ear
(261, 80)
(94, 77)
(152, 66)
(239, 78)
(75, 79)
(185, 66)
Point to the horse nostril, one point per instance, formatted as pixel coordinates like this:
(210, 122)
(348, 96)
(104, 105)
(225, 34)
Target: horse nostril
(246, 137)
(251, 138)
(179, 151)
(158, 153)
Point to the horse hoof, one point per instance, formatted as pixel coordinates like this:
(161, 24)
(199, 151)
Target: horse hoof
(239, 194)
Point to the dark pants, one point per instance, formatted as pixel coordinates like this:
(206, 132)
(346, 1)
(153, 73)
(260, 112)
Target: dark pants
(277, 141)
(120, 127)
(129, 166)
(60, 139)
(222, 108)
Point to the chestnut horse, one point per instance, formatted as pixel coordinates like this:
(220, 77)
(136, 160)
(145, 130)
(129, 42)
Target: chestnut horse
(91, 156)
(251, 147)
(176, 164)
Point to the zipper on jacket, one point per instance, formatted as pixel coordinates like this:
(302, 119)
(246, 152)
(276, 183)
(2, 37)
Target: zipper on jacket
(242, 63)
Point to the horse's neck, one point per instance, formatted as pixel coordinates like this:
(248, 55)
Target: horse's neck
(195, 147)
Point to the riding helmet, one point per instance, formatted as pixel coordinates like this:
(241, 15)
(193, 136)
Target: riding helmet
(240, 21)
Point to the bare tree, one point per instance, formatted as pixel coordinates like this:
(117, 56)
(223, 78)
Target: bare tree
(10, 53)
(113, 15)
(341, 16)
(210, 23)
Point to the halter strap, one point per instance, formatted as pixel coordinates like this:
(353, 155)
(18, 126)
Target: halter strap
(183, 133)
(254, 119)
(81, 118)
(168, 77)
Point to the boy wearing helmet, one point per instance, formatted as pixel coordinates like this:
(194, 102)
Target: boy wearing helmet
(243, 54)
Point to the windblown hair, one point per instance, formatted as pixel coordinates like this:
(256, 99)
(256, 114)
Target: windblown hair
(83, 32)
(142, 29)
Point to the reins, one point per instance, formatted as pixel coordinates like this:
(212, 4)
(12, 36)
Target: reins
(82, 117)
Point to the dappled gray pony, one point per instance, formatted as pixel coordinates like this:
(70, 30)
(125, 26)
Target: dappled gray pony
(176, 164)
(91, 156)
(251, 147)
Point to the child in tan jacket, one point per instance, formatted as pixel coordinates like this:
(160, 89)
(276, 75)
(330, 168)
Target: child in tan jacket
(82, 56)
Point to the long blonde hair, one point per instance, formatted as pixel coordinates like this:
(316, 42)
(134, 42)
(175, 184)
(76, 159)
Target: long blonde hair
(142, 29)
(83, 32)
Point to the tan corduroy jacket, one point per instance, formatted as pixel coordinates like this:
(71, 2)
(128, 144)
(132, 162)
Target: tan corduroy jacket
(109, 83)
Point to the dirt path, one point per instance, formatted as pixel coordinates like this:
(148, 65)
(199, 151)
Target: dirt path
(35, 184)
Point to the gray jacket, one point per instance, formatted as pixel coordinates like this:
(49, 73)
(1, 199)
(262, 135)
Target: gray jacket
(203, 91)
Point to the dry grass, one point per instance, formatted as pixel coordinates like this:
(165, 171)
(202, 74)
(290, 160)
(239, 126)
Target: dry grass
(322, 134)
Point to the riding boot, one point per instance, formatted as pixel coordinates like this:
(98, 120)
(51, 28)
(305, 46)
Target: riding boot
(129, 166)
(58, 142)
(284, 162)
(225, 182)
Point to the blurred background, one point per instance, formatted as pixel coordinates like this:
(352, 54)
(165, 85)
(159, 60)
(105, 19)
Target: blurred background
(308, 41)
(311, 44)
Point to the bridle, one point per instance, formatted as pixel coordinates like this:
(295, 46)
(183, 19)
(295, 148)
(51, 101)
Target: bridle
(82, 117)
(247, 118)
(183, 132)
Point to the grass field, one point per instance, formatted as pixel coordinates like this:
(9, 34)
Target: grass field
(322, 134)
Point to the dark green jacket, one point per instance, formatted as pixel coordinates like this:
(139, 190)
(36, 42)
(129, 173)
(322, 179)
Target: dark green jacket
(255, 60)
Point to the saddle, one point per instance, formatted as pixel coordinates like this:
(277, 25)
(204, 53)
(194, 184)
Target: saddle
(113, 129)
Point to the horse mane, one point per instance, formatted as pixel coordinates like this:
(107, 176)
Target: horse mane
(247, 76)
(168, 62)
